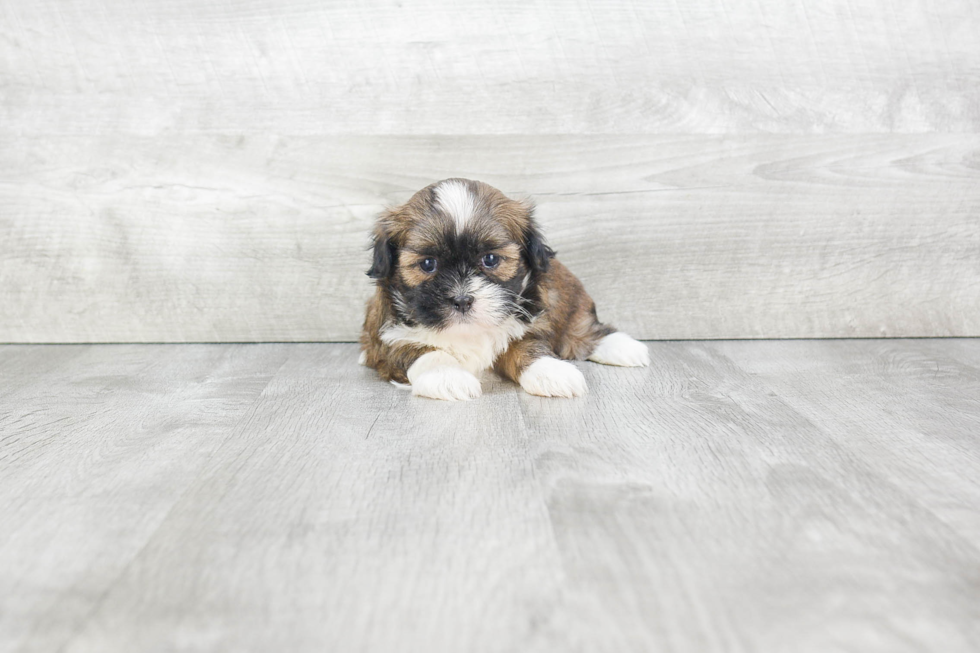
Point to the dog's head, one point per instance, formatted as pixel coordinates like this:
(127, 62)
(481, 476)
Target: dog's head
(459, 252)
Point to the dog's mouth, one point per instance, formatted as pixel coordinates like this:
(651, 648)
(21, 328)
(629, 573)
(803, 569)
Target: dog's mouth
(469, 317)
(478, 312)
(478, 302)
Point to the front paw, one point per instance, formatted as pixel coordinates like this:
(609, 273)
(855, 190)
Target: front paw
(550, 377)
(451, 383)
(440, 376)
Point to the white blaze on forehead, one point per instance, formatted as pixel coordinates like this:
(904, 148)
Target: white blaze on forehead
(454, 198)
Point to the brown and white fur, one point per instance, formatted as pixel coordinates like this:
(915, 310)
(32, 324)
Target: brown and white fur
(465, 282)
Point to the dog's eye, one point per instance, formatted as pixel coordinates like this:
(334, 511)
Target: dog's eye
(428, 265)
(490, 261)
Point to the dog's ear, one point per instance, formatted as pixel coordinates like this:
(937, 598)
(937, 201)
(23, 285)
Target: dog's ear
(384, 258)
(536, 252)
(385, 248)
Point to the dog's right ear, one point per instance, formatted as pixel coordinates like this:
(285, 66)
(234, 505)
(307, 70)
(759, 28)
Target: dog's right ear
(385, 251)
(384, 246)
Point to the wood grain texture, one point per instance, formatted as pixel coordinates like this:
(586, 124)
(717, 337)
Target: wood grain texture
(933, 384)
(190, 171)
(258, 238)
(422, 67)
(96, 448)
(752, 496)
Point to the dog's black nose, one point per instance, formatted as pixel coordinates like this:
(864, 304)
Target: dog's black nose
(462, 303)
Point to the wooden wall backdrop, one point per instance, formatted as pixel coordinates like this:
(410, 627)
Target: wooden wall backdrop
(189, 170)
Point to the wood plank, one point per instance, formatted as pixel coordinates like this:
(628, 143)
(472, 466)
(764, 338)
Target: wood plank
(755, 496)
(97, 444)
(375, 67)
(371, 520)
(258, 238)
(914, 406)
(697, 510)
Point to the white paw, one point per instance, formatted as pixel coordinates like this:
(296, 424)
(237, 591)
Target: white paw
(362, 359)
(550, 377)
(439, 376)
(619, 349)
(449, 383)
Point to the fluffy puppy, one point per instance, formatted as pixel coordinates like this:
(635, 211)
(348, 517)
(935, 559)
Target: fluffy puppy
(466, 282)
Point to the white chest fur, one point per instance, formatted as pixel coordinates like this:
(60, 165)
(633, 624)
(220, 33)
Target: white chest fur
(476, 347)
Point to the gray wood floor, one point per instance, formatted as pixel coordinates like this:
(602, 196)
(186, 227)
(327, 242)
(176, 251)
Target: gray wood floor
(735, 496)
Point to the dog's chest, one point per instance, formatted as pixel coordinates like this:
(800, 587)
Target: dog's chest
(475, 347)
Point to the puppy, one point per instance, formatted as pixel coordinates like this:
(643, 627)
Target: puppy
(465, 282)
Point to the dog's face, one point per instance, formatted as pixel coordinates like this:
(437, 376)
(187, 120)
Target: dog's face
(459, 252)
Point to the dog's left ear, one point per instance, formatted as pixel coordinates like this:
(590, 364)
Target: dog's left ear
(536, 252)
